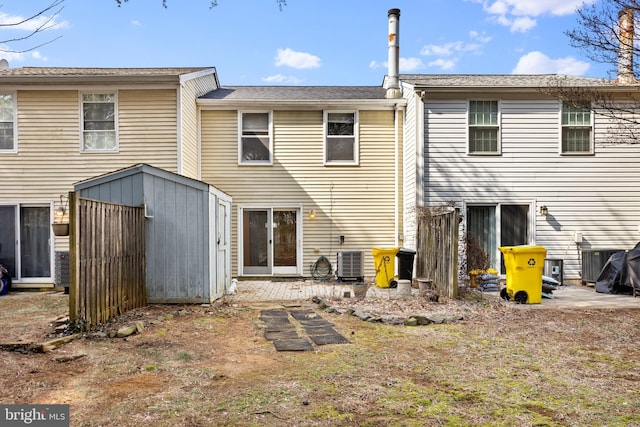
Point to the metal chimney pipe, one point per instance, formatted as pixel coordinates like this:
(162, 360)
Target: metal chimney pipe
(626, 27)
(393, 82)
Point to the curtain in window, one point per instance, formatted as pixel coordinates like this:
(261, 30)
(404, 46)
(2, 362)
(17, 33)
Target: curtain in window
(481, 223)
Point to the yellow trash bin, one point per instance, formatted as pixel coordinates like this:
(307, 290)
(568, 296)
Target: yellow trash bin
(384, 261)
(524, 266)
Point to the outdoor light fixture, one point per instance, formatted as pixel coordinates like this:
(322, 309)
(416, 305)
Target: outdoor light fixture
(312, 213)
(544, 211)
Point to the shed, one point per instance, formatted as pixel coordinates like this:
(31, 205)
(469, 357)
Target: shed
(188, 230)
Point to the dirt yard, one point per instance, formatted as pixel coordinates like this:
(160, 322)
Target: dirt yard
(212, 366)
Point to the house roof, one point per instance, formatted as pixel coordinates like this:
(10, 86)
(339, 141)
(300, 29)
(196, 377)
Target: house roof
(66, 75)
(296, 93)
(318, 96)
(501, 81)
(96, 72)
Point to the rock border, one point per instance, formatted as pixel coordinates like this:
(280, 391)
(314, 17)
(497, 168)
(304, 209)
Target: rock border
(412, 320)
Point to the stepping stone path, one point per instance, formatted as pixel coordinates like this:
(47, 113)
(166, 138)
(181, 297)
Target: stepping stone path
(286, 336)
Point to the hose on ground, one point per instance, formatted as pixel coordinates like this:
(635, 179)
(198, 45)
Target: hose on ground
(321, 269)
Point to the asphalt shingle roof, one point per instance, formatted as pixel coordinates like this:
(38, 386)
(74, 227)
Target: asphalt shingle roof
(97, 72)
(516, 81)
(295, 93)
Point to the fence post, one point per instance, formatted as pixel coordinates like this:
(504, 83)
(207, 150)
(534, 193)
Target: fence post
(73, 257)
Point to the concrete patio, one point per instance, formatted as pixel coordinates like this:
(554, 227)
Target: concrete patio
(565, 297)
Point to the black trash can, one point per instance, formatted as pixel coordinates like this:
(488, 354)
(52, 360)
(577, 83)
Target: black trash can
(405, 263)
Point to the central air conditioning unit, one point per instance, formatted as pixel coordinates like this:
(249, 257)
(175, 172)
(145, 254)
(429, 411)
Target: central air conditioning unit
(350, 266)
(593, 260)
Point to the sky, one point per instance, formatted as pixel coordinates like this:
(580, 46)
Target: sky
(307, 43)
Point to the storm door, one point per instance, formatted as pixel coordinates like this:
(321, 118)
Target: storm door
(285, 241)
(270, 241)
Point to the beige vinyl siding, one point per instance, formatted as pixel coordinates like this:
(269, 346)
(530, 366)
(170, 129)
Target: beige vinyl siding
(596, 195)
(148, 128)
(189, 158)
(49, 160)
(354, 201)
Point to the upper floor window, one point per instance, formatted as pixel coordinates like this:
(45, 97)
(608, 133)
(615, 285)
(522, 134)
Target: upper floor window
(99, 122)
(576, 130)
(341, 138)
(255, 145)
(7, 123)
(484, 128)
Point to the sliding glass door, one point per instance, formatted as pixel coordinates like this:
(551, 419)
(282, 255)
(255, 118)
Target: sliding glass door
(492, 226)
(270, 241)
(25, 235)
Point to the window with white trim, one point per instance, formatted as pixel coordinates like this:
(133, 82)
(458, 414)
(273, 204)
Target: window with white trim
(341, 137)
(255, 142)
(99, 122)
(577, 130)
(484, 127)
(7, 123)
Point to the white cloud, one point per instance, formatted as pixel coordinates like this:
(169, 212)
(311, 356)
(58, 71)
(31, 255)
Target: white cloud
(8, 22)
(279, 78)
(299, 60)
(443, 64)
(136, 23)
(522, 25)
(480, 37)
(446, 49)
(533, 7)
(37, 55)
(20, 56)
(539, 63)
(406, 64)
(519, 15)
(448, 54)
(410, 64)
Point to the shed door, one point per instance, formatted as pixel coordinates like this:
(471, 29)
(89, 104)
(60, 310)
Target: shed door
(223, 231)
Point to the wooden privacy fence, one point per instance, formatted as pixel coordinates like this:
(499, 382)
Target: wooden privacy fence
(107, 260)
(437, 248)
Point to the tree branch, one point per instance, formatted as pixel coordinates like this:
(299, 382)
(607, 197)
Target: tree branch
(46, 25)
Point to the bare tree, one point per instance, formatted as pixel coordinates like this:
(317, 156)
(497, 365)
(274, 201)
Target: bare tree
(213, 3)
(606, 34)
(43, 20)
(605, 29)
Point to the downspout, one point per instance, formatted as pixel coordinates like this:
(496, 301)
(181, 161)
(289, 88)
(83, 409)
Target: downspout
(396, 177)
(420, 189)
(179, 147)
